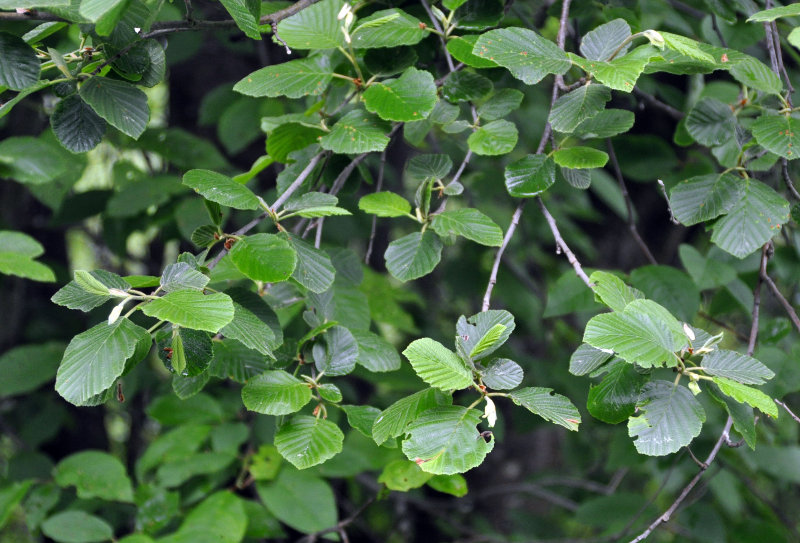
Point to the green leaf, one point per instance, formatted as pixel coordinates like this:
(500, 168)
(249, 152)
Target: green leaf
(310, 200)
(706, 272)
(500, 104)
(580, 158)
(711, 122)
(10, 497)
(246, 14)
(737, 367)
(232, 360)
(19, 67)
(769, 15)
(314, 269)
(530, 176)
(470, 332)
(445, 440)
(385, 204)
(606, 124)
(437, 365)
(294, 79)
(387, 28)
(181, 276)
(753, 221)
(375, 353)
(191, 351)
(76, 125)
(340, 353)
(495, 138)
(670, 287)
(17, 251)
(77, 527)
(463, 86)
(356, 132)
(95, 358)
(361, 417)
(670, 417)
(410, 97)
(776, 133)
(622, 72)
(523, 52)
(612, 290)
(264, 257)
(95, 474)
(330, 393)
(502, 374)
(31, 161)
(313, 27)
(753, 73)
(300, 500)
(469, 223)
(586, 359)
(548, 405)
(603, 41)
(192, 309)
(424, 167)
(251, 329)
(490, 339)
(221, 189)
(73, 296)
(275, 393)
(453, 484)
(20, 376)
(614, 399)
(686, 46)
(393, 420)
(120, 103)
(403, 475)
(220, 518)
(705, 197)
(793, 38)
(749, 395)
(307, 441)
(643, 333)
(576, 106)
(460, 48)
(414, 255)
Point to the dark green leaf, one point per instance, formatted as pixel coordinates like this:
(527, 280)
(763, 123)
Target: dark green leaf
(121, 104)
(414, 255)
(76, 125)
(19, 67)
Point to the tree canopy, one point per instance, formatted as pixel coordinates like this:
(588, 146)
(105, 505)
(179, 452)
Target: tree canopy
(470, 270)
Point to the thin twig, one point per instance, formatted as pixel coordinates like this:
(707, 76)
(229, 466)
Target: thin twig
(773, 57)
(715, 26)
(439, 28)
(378, 187)
(487, 297)
(339, 526)
(687, 489)
(628, 203)
(275, 207)
(658, 104)
(532, 489)
(696, 460)
(788, 179)
(779, 54)
(751, 343)
(561, 245)
(663, 189)
(783, 301)
(791, 413)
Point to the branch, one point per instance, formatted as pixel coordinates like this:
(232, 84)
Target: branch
(628, 203)
(658, 104)
(274, 207)
(788, 179)
(378, 187)
(561, 245)
(791, 413)
(784, 302)
(688, 488)
(438, 27)
(339, 526)
(751, 343)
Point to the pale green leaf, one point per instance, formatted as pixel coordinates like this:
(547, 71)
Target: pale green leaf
(403, 475)
(753, 221)
(313, 27)
(548, 405)
(606, 124)
(530, 176)
(622, 72)
(495, 138)
(445, 440)
(264, 257)
(502, 374)
(375, 353)
(490, 339)
(578, 105)
(385, 204)
(586, 359)
(460, 47)
(77, 527)
(737, 367)
(250, 328)
(437, 365)
(300, 500)
(387, 28)
(275, 393)
(294, 79)
(612, 290)
(356, 132)
(768, 15)
(471, 331)
(749, 395)
(670, 417)
(778, 134)
(469, 223)
(603, 41)
(221, 189)
(192, 309)
(307, 441)
(643, 333)
(17, 251)
(95, 358)
(180, 276)
(414, 255)
(120, 103)
(411, 97)
(500, 104)
(523, 52)
(246, 14)
(705, 197)
(95, 474)
(580, 158)
(314, 269)
(393, 420)
(686, 47)
(755, 74)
